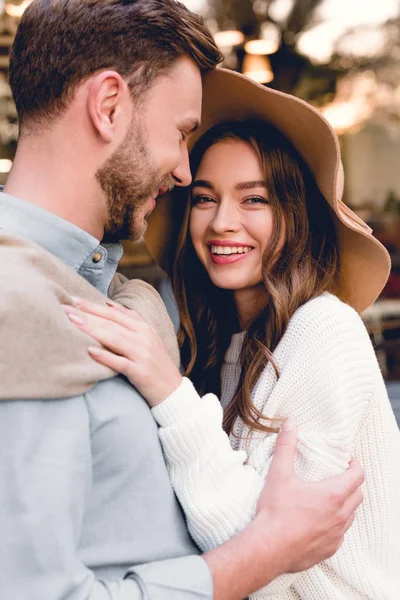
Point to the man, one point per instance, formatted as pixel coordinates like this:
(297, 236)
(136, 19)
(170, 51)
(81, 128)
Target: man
(107, 93)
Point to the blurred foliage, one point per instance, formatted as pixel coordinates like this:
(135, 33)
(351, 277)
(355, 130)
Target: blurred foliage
(296, 73)
(392, 204)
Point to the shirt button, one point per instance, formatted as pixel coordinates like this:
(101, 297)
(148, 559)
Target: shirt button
(97, 256)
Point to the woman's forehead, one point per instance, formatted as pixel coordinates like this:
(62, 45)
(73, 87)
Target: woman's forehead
(230, 159)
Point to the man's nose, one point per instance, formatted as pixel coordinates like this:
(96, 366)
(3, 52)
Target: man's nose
(182, 175)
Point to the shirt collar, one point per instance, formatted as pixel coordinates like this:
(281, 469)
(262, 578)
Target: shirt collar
(74, 247)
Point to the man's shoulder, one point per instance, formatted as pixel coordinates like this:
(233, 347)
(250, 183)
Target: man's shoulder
(42, 354)
(29, 293)
(145, 300)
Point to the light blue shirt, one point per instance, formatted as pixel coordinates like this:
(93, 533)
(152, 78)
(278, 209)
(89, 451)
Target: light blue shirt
(87, 511)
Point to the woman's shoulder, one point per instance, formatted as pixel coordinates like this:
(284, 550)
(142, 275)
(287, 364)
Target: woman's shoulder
(327, 313)
(325, 352)
(325, 326)
(328, 303)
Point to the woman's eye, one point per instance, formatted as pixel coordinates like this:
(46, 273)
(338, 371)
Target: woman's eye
(257, 200)
(201, 200)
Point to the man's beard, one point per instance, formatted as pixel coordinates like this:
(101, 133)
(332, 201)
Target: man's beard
(128, 179)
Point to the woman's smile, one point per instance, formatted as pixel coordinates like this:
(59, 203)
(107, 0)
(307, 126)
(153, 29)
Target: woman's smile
(226, 252)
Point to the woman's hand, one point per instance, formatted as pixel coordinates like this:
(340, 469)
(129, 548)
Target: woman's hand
(133, 347)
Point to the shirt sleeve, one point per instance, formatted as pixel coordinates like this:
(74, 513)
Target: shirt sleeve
(45, 481)
(323, 389)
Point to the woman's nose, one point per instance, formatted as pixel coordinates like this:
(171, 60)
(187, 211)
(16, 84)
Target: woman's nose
(226, 218)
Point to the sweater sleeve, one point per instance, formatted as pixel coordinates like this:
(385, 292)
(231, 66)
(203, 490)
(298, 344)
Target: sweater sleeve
(326, 379)
(217, 490)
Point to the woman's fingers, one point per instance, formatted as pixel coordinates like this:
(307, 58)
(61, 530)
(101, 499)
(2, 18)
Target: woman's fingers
(112, 312)
(117, 363)
(110, 334)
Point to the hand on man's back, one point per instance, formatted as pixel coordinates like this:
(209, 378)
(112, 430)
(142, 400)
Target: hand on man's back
(309, 518)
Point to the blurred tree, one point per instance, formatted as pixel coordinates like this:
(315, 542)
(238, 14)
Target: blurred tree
(293, 72)
(296, 73)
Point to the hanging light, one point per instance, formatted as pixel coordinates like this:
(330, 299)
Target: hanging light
(229, 38)
(260, 47)
(268, 43)
(258, 68)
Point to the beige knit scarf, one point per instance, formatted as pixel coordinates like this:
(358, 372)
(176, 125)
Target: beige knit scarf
(42, 355)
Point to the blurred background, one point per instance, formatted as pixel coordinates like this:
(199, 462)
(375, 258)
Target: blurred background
(342, 56)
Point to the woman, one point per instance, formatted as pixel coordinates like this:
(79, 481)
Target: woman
(268, 267)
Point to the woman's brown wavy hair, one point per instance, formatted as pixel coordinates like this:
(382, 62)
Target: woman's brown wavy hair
(304, 267)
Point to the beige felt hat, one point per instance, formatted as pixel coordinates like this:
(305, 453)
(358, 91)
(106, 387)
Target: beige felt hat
(228, 96)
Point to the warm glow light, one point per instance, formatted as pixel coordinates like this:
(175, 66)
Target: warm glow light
(270, 39)
(5, 165)
(344, 116)
(280, 9)
(356, 100)
(17, 10)
(260, 76)
(260, 47)
(227, 39)
(257, 68)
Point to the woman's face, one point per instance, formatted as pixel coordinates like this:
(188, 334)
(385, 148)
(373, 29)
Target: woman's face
(231, 218)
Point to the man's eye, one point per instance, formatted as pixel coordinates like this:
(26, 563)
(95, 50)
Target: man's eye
(257, 200)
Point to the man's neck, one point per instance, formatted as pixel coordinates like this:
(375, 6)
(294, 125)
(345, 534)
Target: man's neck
(53, 177)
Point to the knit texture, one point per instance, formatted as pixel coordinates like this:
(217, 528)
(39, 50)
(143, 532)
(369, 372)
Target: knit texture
(331, 386)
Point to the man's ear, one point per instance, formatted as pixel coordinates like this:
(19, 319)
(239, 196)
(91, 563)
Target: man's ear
(106, 103)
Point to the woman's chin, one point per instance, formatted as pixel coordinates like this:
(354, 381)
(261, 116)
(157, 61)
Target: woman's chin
(227, 283)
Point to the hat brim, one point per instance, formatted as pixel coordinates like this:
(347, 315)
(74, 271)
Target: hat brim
(229, 96)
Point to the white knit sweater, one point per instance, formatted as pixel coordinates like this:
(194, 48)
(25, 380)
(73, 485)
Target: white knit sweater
(331, 386)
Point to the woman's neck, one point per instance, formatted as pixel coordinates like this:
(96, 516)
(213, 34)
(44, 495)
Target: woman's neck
(249, 304)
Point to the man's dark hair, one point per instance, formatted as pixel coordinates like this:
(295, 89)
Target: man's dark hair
(59, 43)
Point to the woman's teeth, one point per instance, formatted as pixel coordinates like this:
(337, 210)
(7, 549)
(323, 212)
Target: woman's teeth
(230, 249)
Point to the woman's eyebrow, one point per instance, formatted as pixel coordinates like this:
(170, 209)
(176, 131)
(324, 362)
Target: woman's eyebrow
(202, 183)
(244, 185)
(248, 185)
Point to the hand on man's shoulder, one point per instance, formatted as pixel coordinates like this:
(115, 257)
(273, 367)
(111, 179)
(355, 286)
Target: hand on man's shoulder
(144, 299)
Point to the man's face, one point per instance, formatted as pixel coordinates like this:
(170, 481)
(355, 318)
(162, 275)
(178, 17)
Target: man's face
(153, 156)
